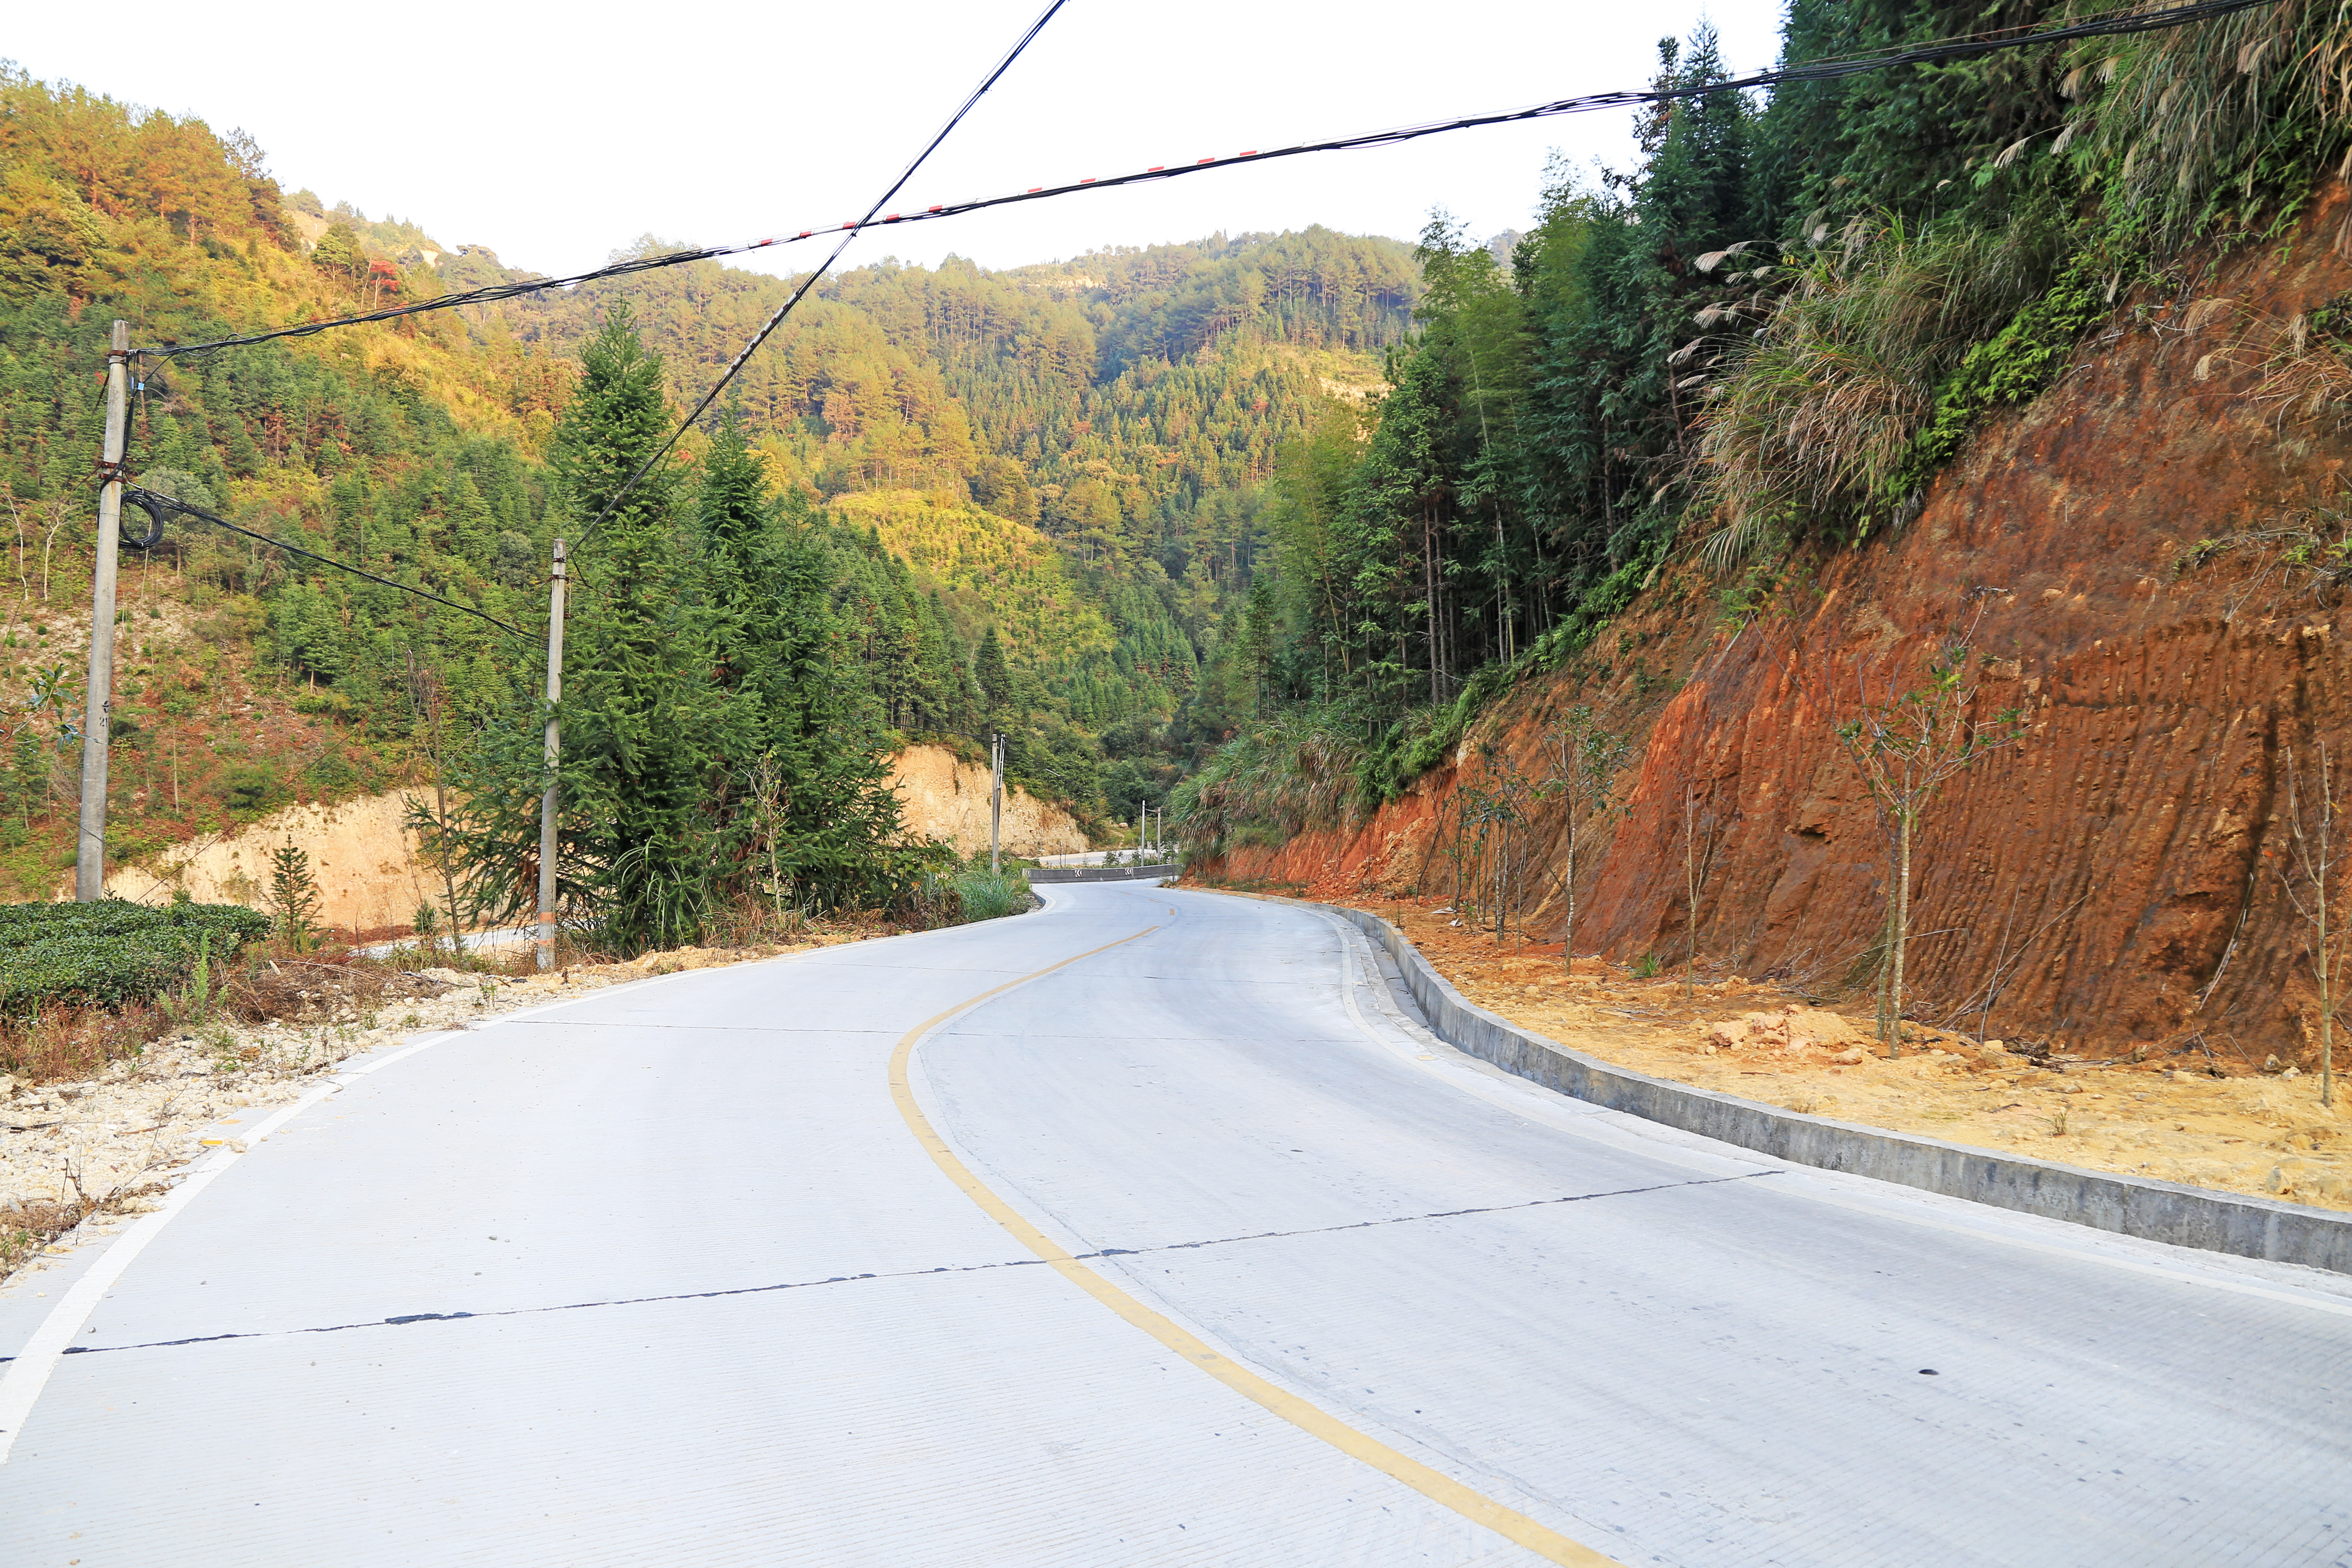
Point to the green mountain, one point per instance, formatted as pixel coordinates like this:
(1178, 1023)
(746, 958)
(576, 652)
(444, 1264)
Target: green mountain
(1074, 456)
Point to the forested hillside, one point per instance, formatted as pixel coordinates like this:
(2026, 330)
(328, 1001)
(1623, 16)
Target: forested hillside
(1033, 500)
(1757, 344)
(1888, 539)
(1330, 494)
(1130, 406)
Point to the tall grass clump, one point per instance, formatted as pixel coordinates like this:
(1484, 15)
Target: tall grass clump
(2220, 126)
(985, 895)
(1818, 420)
(1288, 774)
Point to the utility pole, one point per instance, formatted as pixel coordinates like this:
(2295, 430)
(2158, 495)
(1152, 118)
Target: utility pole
(97, 717)
(547, 802)
(995, 796)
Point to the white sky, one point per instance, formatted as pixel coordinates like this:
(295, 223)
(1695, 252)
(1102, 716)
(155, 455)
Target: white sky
(554, 134)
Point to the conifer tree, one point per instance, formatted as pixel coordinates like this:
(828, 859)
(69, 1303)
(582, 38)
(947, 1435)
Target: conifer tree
(734, 518)
(990, 674)
(795, 724)
(642, 717)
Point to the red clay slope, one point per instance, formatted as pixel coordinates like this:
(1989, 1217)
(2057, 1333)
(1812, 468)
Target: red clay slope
(2133, 830)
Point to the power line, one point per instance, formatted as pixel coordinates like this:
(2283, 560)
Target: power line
(159, 507)
(489, 295)
(1965, 48)
(849, 233)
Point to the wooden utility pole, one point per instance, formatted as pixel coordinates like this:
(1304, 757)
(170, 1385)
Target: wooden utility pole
(98, 716)
(995, 797)
(547, 802)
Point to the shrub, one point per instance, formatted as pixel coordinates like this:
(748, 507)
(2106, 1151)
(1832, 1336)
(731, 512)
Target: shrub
(107, 954)
(330, 773)
(987, 897)
(1818, 420)
(1294, 771)
(253, 790)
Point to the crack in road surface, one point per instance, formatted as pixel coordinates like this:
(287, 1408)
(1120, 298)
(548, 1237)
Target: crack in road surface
(405, 1319)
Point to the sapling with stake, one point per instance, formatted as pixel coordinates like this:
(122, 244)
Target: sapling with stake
(1906, 747)
(2309, 877)
(1698, 859)
(1498, 806)
(1586, 760)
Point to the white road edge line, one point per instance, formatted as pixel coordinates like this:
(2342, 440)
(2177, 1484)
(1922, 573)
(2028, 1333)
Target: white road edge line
(28, 1374)
(1354, 946)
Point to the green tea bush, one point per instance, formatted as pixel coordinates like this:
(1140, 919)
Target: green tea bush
(105, 955)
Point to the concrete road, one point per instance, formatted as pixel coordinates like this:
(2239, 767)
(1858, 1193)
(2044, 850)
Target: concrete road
(1191, 1251)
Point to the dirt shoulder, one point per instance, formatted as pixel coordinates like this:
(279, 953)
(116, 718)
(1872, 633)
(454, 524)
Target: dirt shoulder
(2263, 1135)
(77, 1156)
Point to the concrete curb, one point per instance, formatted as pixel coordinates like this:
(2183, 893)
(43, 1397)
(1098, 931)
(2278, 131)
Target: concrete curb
(2129, 1206)
(1097, 873)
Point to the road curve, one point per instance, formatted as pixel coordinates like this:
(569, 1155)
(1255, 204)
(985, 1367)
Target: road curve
(1193, 1250)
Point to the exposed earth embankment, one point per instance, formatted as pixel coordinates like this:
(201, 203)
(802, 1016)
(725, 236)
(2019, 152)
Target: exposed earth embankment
(948, 799)
(371, 877)
(2111, 884)
(361, 855)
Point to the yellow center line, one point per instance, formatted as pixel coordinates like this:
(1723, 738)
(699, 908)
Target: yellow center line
(1434, 1485)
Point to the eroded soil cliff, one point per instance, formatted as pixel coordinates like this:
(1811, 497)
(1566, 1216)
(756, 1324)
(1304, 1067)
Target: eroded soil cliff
(371, 877)
(2111, 884)
(363, 858)
(948, 799)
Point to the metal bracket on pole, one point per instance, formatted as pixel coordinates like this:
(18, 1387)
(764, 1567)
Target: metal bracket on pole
(98, 713)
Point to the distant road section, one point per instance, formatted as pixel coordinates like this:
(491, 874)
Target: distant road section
(1143, 1229)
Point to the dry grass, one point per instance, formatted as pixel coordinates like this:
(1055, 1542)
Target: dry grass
(2297, 563)
(2186, 114)
(65, 1044)
(28, 1224)
(1822, 412)
(75, 1043)
(2262, 1135)
(2300, 360)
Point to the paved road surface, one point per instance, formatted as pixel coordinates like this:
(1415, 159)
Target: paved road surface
(670, 1275)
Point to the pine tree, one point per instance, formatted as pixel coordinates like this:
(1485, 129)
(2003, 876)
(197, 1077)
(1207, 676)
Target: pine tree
(293, 897)
(642, 717)
(990, 674)
(802, 797)
(733, 519)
